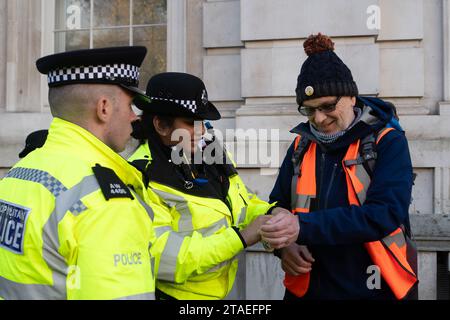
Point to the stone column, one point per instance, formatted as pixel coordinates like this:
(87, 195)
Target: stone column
(23, 34)
(194, 38)
(2, 53)
(427, 275)
(176, 35)
(444, 106)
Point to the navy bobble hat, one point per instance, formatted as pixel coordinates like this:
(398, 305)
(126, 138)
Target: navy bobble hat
(323, 73)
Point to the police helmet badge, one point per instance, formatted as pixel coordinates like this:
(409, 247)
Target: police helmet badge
(204, 97)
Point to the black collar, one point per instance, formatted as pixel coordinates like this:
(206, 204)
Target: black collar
(162, 170)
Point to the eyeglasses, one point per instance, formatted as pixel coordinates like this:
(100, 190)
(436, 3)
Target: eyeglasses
(309, 111)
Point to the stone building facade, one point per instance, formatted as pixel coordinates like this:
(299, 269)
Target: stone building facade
(249, 53)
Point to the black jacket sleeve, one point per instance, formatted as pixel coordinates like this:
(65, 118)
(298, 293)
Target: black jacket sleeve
(281, 191)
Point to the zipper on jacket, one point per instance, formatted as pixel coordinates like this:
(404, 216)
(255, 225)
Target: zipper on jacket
(245, 202)
(322, 164)
(330, 185)
(229, 204)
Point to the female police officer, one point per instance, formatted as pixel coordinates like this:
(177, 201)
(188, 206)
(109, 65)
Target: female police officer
(211, 217)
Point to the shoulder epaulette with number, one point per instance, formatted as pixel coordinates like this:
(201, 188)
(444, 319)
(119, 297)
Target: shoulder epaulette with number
(110, 183)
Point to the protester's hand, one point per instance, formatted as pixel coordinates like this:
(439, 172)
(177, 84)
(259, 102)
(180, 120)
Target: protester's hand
(251, 233)
(296, 259)
(278, 210)
(281, 230)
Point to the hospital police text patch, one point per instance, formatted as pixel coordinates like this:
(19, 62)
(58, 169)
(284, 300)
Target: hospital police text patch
(13, 220)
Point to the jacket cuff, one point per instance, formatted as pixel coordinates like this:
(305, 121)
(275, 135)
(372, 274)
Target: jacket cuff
(277, 253)
(270, 210)
(240, 236)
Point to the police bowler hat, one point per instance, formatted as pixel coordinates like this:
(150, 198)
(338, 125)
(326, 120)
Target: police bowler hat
(179, 95)
(114, 65)
(33, 141)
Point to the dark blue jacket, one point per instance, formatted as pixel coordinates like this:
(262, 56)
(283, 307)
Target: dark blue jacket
(335, 231)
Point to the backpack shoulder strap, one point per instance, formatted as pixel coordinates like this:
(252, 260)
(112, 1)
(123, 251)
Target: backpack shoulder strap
(367, 148)
(383, 132)
(300, 146)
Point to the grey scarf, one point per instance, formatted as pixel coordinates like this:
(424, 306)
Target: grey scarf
(330, 138)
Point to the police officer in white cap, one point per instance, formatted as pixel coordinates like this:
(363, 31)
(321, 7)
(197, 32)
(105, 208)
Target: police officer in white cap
(73, 219)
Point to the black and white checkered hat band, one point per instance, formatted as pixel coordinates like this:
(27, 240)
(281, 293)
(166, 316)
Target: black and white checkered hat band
(188, 104)
(113, 72)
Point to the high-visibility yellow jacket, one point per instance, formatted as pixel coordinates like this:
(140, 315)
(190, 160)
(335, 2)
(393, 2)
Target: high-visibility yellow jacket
(196, 244)
(59, 235)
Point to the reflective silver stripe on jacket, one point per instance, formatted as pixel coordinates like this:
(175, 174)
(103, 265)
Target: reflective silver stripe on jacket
(221, 265)
(206, 232)
(168, 262)
(242, 215)
(364, 178)
(44, 178)
(213, 228)
(18, 291)
(142, 296)
(66, 200)
(302, 201)
(146, 206)
(180, 204)
(299, 200)
(159, 231)
(294, 194)
(398, 239)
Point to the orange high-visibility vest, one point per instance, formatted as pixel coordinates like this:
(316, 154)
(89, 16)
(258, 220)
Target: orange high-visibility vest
(389, 253)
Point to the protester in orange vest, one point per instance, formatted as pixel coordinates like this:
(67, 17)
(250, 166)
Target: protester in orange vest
(347, 179)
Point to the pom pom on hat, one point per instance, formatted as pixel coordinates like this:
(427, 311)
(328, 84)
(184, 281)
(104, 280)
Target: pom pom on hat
(318, 43)
(323, 73)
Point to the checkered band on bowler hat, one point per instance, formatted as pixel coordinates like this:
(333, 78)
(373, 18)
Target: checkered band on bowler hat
(122, 72)
(114, 65)
(190, 105)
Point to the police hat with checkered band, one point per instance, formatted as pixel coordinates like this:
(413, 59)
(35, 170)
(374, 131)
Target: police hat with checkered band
(179, 95)
(114, 65)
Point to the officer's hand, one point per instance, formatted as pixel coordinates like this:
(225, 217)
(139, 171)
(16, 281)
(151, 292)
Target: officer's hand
(296, 259)
(251, 233)
(281, 230)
